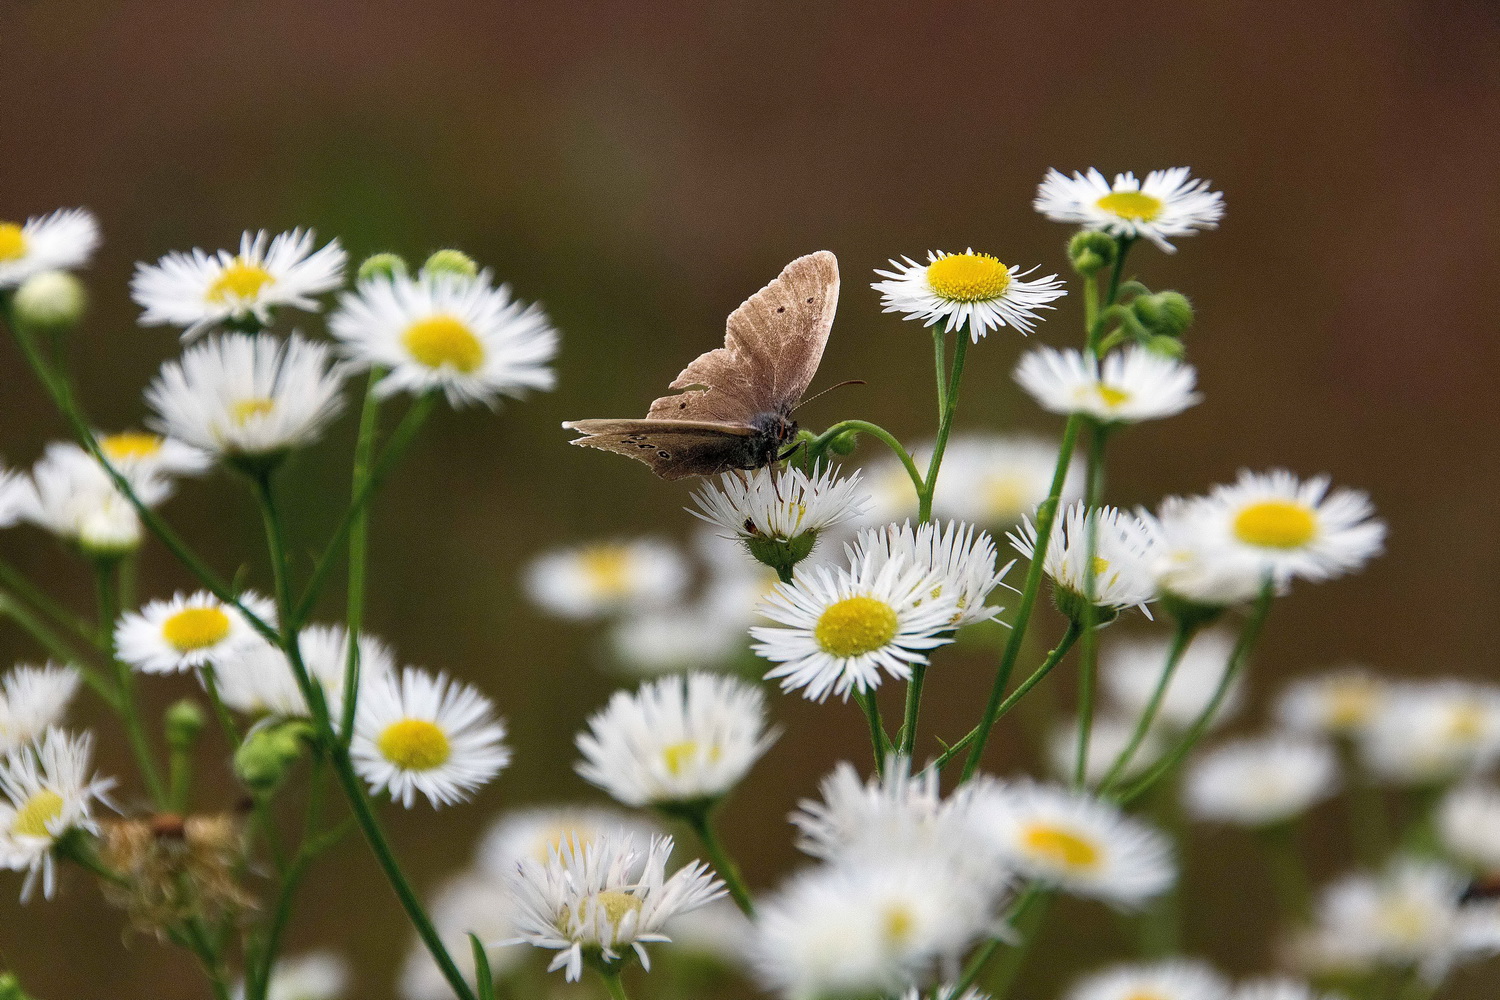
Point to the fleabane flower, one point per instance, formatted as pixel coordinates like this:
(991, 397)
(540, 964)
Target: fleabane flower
(1075, 842)
(995, 480)
(1174, 979)
(73, 497)
(1468, 822)
(961, 559)
(600, 897)
(1122, 554)
(420, 732)
(142, 455)
(779, 513)
(536, 832)
(601, 578)
(1168, 204)
(248, 396)
(1280, 988)
(837, 629)
(676, 741)
(966, 289)
(675, 639)
(1128, 386)
(15, 494)
(33, 700)
(1293, 527)
(59, 241)
(1109, 736)
(189, 631)
(258, 679)
(1435, 732)
(316, 975)
(198, 290)
(1131, 668)
(45, 791)
(1342, 702)
(1260, 782)
(1197, 570)
(472, 340)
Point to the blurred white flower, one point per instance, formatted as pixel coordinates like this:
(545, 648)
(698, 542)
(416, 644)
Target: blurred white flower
(1129, 386)
(1168, 203)
(590, 581)
(46, 791)
(1259, 782)
(189, 631)
(1130, 669)
(32, 701)
(61, 240)
(1433, 732)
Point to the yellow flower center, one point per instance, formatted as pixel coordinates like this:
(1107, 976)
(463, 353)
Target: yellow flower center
(443, 340)
(855, 626)
(1351, 705)
(1405, 920)
(1113, 397)
(556, 839)
(1131, 205)
(899, 923)
(415, 745)
(1061, 847)
(240, 280)
(195, 628)
(968, 277)
(246, 410)
(128, 445)
(1276, 524)
(39, 810)
(1146, 995)
(677, 756)
(12, 242)
(1467, 723)
(607, 568)
(1006, 497)
(617, 905)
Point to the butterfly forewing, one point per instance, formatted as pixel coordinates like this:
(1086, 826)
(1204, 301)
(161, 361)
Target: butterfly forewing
(673, 448)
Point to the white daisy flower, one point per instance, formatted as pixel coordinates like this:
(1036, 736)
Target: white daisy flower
(1294, 528)
(1076, 842)
(258, 680)
(1129, 386)
(1122, 559)
(591, 581)
(779, 504)
(674, 640)
(198, 290)
(603, 896)
(15, 496)
(1173, 979)
(676, 740)
(837, 629)
(63, 240)
(961, 559)
(1342, 702)
(139, 455)
(189, 631)
(966, 289)
(1108, 738)
(1169, 203)
(1130, 669)
(1434, 732)
(996, 480)
(445, 331)
(868, 929)
(316, 975)
(73, 497)
(1280, 989)
(536, 833)
(1468, 821)
(33, 700)
(420, 732)
(1260, 782)
(472, 902)
(247, 395)
(1193, 563)
(45, 791)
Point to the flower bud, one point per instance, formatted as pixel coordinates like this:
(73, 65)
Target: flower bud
(10, 988)
(781, 554)
(1075, 607)
(184, 721)
(1169, 347)
(50, 302)
(382, 266)
(1091, 252)
(1166, 313)
(451, 262)
(268, 754)
(845, 443)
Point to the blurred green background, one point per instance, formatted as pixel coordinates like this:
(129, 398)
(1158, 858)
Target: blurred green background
(640, 168)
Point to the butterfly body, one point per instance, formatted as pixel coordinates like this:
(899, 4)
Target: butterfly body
(734, 410)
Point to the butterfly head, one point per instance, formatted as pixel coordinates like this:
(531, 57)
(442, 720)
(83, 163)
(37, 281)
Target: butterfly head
(772, 432)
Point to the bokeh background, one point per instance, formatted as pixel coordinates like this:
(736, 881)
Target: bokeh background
(640, 168)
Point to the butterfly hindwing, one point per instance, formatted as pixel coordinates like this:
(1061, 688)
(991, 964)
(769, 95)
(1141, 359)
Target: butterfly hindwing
(674, 449)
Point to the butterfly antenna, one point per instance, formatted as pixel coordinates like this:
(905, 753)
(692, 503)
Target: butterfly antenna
(809, 399)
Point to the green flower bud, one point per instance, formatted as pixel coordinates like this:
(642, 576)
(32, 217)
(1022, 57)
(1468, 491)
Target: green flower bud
(1168, 313)
(50, 302)
(1091, 252)
(844, 443)
(382, 265)
(184, 721)
(10, 988)
(268, 754)
(451, 262)
(1075, 607)
(781, 554)
(1169, 347)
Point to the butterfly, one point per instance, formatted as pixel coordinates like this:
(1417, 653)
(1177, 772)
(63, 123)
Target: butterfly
(735, 410)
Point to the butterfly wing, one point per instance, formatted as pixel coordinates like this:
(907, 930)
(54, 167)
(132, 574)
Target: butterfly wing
(772, 347)
(675, 449)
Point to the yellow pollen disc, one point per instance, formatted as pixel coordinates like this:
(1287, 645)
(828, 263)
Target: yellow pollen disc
(1113, 397)
(899, 923)
(1101, 565)
(195, 628)
(32, 818)
(415, 745)
(1145, 995)
(1351, 705)
(854, 626)
(1405, 920)
(240, 280)
(678, 755)
(1276, 524)
(1006, 497)
(248, 409)
(1063, 847)
(130, 444)
(968, 277)
(1467, 722)
(12, 242)
(555, 840)
(443, 340)
(617, 905)
(1131, 205)
(608, 568)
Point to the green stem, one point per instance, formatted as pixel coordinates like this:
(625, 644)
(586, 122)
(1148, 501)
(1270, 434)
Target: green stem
(1089, 652)
(16, 582)
(820, 444)
(1124, 244)
(1293, 890)
(130, 714)
(949, 404)
(1026, 917)
(879, 741)
(1370, 827)
(1182, 637)
(1045, 515)
(197, 942)
(359, 536)
(908, 735)
(614, 984)
(58, 649)
(701, 821)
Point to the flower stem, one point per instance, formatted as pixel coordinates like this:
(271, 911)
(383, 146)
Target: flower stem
(879, 741)
(359, 537)
(1182, 637)
(701, 820)
(820, 444)
(1026, 916)
(56, 647)
(614, 984)
(1288, 877)
(130, 713)
(17, 583)
(1089, 651)
(1045, 515)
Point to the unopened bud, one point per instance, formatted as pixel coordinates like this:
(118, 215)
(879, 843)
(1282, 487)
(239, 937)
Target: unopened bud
(184, 721)
(382, 266)
(10, 987)
(1168, 313)
(454, 262)
(844, 443)
(50, 302)
(268, 754)
(1091, 252)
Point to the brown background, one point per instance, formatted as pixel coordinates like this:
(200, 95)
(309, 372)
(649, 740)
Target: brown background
(641, 167)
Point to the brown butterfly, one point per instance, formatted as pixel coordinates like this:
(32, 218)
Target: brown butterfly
(735, 410)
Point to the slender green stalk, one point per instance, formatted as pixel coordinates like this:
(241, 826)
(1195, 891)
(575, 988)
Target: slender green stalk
(907, 737)
(1045, 515)
(1248, 637)
(820, 444)
(196, 940)
(1124, 243)
(949, 403)
(1089, 651)
(180, 778)
(130, 713)
(57, 648)
(879, 741)
(1182, 637)
(614, 984)
(1369, 826)
(1293, 889)
(359, 537)
(1026, 917)
(701, 821)
(13, 580)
